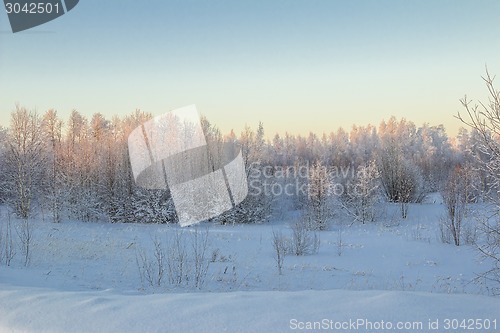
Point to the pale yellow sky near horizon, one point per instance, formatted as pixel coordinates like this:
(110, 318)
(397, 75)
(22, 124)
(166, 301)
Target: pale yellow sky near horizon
(297, 66)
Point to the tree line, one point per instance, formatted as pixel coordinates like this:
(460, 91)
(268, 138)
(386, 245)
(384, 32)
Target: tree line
(80, 169)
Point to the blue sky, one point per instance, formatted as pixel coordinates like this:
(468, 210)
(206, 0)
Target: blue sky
(297, 66)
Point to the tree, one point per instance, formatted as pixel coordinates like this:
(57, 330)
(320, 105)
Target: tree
(25, 159)
(361, 196)
(3, 164)
(434, 156)
(456, 195)
(399, 174)
(136, 204)
(318, 192)
(280, 248)
(364, 144)
(400, 177)
(52, 129)
(485, 120)
(76, 159)
(256, 207)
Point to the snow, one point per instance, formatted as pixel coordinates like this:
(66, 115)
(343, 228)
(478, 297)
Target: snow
(84, 277)
(27, 309)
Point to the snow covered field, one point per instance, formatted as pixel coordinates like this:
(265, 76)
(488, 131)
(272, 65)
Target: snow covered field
(46, 310)
(85, 277)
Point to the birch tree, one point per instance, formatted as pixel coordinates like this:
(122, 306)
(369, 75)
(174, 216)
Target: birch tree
(25, 159)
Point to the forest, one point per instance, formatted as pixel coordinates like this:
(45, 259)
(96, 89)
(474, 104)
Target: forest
(80, 169)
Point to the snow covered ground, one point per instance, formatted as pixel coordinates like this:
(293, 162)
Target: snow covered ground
(84, 277)
(28, 309)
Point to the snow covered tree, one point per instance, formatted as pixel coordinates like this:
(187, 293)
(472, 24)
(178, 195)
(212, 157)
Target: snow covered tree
(256, 207)
(362, 195)
(83, 201)
(134, 203)
(364, 144)
(433, 155)
(339, 149)
(318, 192)
(3, 164)
(54, 177)
(456, 195)
(400, 177)
(484, 119)
(25, 159)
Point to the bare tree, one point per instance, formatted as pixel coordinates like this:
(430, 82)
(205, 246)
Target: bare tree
(485, 119)
(7, 251)
(25, 233)
(456, 195)
(280, 249)
(152, 271)
(178, 270)
(340, 242)
(199, 244)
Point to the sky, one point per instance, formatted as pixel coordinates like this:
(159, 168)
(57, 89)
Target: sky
(296, 65)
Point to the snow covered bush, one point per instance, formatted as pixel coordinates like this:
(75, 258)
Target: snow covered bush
(304, 239)
(150, 206)
(400, 177)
